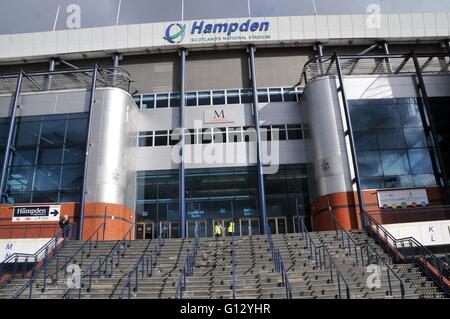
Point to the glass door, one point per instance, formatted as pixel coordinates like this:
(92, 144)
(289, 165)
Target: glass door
(149, 230)
(201, 226)
(277, 225)
(139, 231)
(249, 226)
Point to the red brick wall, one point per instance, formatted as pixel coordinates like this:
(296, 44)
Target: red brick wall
(118, 218)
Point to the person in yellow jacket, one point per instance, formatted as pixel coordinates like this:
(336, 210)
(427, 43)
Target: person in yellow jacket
(218, 230)
(230, 228)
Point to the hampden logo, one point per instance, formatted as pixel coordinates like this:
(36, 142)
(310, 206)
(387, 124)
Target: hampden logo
(211, 32)
(175, 33)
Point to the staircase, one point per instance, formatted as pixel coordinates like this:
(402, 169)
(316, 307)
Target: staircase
(256, 277)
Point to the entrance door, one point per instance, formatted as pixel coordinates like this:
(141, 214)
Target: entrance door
(201, 226)
(145, 230)
(249, 226)
(277, 225)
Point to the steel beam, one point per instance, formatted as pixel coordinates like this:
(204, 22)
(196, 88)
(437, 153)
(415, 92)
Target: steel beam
(181, 174)
(362, 206)
(12, 126)
(88, 146)
(428, 122)
(261, 191)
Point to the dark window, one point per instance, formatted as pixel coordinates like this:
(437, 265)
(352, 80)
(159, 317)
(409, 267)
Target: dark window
(281, 131)
(174, 99)
(207, 136)
(191, 98)
(246, 96)
(249, 134)
(263, 96)
(219, 135)
(161, 138)
(204, 98)
(234, 134)
(233, 97)
(289, 95)
(218, 97)
(162, 100)
(148, 101)
(275, 95)
(294, 132)
(145, 138)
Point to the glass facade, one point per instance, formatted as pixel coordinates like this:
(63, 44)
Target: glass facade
(220, 194)
(440, 110)
(391, 144)
(47, 160)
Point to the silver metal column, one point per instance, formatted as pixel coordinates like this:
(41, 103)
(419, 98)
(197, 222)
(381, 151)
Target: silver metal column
(385, 46)
(319, 48)
(12, 125)
(262, 195)
(88, 145)
(349, 133)
(116, 58)
(181, 175)
(51, 68)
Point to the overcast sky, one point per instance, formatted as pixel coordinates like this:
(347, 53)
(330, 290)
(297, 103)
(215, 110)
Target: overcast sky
(20, 16)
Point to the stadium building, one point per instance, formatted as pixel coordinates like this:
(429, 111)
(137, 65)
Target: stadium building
(175, 115)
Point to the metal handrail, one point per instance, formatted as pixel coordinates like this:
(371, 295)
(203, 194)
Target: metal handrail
(69, 79)
(187, 269)
(318, 253)
(349, 240)
(371, 253)
(233, 263)
(409, 249)
(320, 66)
(331, 264)
(48, 255)
(278, 262)
(367, 247)
(144, 265)
(36, 272)
(10, 264)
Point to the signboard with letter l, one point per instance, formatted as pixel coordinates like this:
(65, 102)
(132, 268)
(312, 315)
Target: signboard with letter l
(49, 213)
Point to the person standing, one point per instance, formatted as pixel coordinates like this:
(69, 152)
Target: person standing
(64, 224)
(218, 230)
(230, 228)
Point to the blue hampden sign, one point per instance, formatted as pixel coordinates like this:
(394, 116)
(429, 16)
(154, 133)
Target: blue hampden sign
(208, 32)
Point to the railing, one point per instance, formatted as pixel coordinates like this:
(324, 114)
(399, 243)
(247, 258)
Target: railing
(347, 241)
(374, 64)
(278, 263)
(103, 264)
(144, 266)
(187, 269)
(9, 267)
(319, 254)
(410, 250)
(92, 240)
(233, 263)
(372, 255)
(28, 231)
(332, 265)
(365, 250)
(68, 79)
